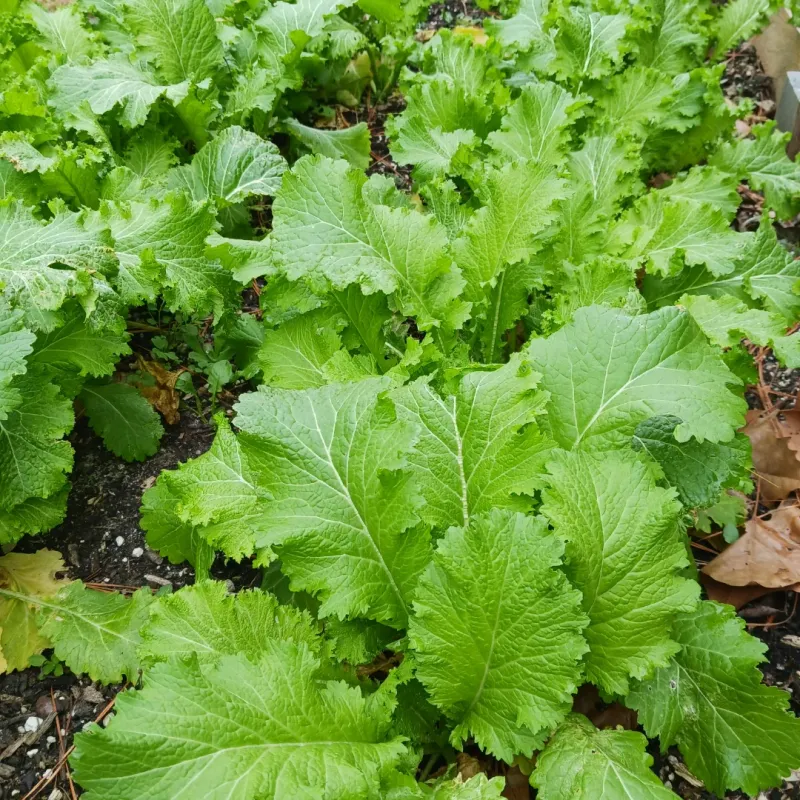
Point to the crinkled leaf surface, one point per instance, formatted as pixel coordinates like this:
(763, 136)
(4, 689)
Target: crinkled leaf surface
(697, 471)
(29, 250)
(206, 620)
(343, 503)
(625, 552)
(763, 162)
(242, 729)
(607, 371)
(478, 448)
(733, 731)
(96, 633)
(107, 83)
(581, 762)
(328, 228)
(764, 271)
(497, 632)
(234, 165)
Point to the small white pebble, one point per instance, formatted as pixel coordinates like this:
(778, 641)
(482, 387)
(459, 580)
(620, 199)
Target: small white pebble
(137, 552)
(32, 753)
(125, 560)
(15, 792)
(120, 540)
(47, 773)
(33, 723)
(51, 740)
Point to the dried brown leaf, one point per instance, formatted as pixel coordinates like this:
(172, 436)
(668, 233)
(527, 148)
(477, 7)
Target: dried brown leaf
(775, 440)
(768, 554)
(162, 396)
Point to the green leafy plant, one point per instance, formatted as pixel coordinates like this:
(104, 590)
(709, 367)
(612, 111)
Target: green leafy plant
(487, 409)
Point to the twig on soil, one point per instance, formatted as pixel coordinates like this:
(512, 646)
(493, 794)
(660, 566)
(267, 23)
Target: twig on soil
(111, 587)
(776, 624)
(44, 782)
(62, 748)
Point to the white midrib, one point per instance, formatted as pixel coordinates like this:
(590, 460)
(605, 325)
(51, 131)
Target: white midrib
(345, 492)
(65, 611)
(493, 642)
(460, 461)
(459, 454)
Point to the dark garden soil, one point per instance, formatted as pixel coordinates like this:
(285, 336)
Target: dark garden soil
(102, 543)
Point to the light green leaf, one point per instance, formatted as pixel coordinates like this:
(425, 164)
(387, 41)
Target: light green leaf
(167, 533)
(706, 185)
(581, 762)
(518, 204)
(632, 102)
(763, 162)
(242, 729)
(16, 344)
(33, 456)
(625, 552)
(178, 36)
(536, 125)
(234, 165)
(403, 787)
(294, 355)
(76, 346)
(673, 42)
(601, 175)
(163, 243)
(62, 31)
(738, 21)
(126, 422)
(218, 494)
(96, 633)
(664, 234)
(726, 321)
(352, 144)
(526, 31)
(110, 82)
(764, 271)
(588, 45)
(438, 130)
(733, 732)
(333, 461)
(492, 611)
(327, 227)
(479, 448)
(206, 620)
(29, 250)
(607, 371)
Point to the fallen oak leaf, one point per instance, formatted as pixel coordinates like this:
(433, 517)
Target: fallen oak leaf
(775, 460)
(736, 596)
(768, 554)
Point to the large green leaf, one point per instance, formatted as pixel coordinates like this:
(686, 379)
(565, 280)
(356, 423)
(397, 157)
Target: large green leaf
(583, 763)
(238, 729)
(491, 612)
(607, 371)
(333, 462)
(479, 448)
(625, 552)
(734, 732)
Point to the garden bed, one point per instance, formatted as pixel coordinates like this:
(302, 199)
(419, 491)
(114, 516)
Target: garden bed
(103, 545)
